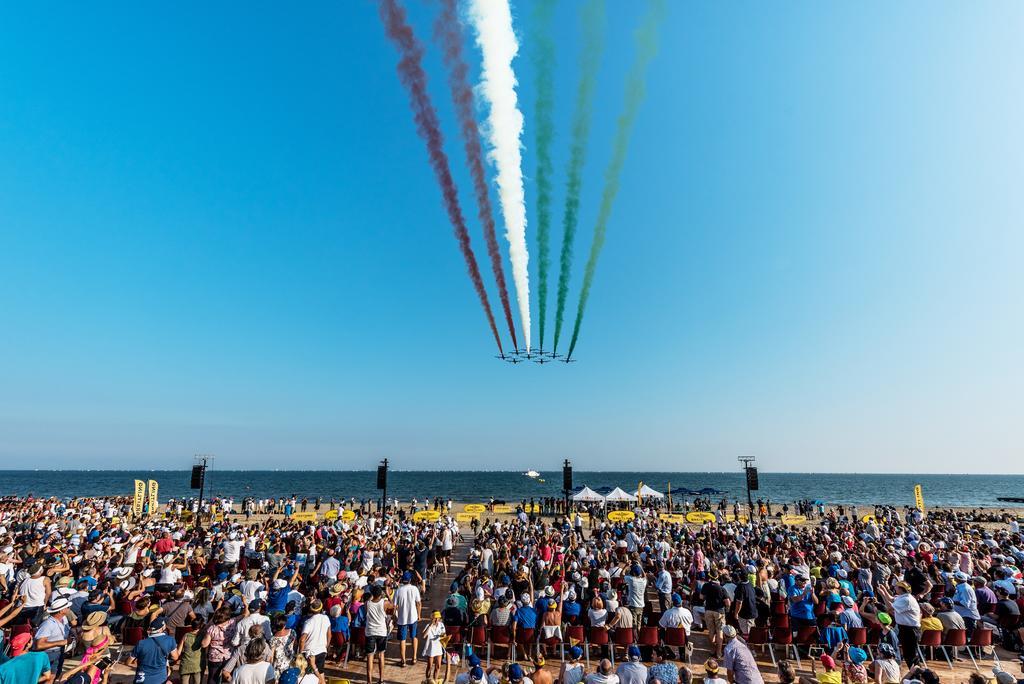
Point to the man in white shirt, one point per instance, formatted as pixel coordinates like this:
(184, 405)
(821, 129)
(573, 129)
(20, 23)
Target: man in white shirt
(604, 674)
(407, 605)
(315, 635)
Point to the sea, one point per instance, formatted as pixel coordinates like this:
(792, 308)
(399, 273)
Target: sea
(479, 486)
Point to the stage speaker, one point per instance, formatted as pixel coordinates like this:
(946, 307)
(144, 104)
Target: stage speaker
(567, 478)
(752, 479)
(382, 477)
(198, 475)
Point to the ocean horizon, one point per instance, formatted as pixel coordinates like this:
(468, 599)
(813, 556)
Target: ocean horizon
(949, 489)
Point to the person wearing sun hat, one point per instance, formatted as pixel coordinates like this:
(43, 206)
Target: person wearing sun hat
(54, 632)
(907, 616)
(853, 667)
(572, 670)
(433, 646)
(712, 673)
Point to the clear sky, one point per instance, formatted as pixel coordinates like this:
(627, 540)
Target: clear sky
(219, 233)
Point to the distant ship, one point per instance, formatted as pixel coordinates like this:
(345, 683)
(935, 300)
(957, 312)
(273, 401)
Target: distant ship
(531, 473)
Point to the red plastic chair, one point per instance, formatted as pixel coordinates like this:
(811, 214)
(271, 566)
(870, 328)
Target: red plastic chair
(930, 639)
(781, 636)
(780, 621)
(954, 638)
(455, 638)
(761, 637)
(478, 640)
(500, 636)
(596, 636)
(357, 638)
(133, 635)
(858, 636)
(982, 638)
(622, 637)
(806, 636)
(525, 638)
(648, 636)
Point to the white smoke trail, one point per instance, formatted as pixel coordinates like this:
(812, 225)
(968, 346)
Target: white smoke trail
(492, 21)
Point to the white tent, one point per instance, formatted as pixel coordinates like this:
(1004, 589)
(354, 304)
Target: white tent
(587, 494)
(646, 491)
(618, 495)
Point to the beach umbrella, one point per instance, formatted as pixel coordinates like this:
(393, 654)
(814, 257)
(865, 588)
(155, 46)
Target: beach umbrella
(618, 494)
(647, 491)
(587, 494)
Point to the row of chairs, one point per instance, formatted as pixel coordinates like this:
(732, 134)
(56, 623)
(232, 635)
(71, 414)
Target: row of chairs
(486, 638)
(806, 637)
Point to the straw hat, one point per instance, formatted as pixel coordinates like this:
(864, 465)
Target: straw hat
(95, 619)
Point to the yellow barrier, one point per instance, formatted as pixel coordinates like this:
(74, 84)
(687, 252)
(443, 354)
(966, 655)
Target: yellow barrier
(466, 517)
(794, 519)
(308, 516)
(348, 516)
(428, 516)
(474, 508)
(700, 517)
(672, 517)
(502, 508)
(731, 517)
(331, 514)
(621, 516)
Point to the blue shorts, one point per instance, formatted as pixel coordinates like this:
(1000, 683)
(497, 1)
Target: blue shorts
(408, 631)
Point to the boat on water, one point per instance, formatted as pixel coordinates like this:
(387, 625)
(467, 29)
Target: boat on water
(531, 473)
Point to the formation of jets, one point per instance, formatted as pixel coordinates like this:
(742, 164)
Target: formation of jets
(535, 355)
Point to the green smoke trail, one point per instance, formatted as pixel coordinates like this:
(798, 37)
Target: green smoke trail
(544, 62)
(592, 19)
(646, 47)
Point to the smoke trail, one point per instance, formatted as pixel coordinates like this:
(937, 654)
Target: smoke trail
(410, 71)
(492, 20)
(646, 47)
(544, 61)
(592, 19)
(447, 30)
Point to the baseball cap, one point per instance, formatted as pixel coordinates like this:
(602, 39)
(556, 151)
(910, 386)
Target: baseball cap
(576, 652)
(515, 672)
(474, 660)
(884, 618)
(476, 673)
(407, 576)
(157, 625)
(827, 661)
(857, 655)
(20, 643)
(1003, 677)
(729, 632)
(633, 652)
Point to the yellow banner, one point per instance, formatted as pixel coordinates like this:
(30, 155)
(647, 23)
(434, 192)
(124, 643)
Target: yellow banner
(466, 517)
(331, 514)
(918, 498)
(672, 517)
(140, 498)
(502, 508)
(532, 508)
(731, 517)
(621, 516)
(348, 516)
(154, 505)
(700, 517)
(308, 516)
(428, 516)
(867, 518)
(474, 508)
(793, 519)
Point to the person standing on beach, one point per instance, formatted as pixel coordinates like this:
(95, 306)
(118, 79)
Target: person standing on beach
(378, 608)
(408, 603)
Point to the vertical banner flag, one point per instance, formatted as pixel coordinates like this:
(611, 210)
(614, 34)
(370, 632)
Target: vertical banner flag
(140, 497)
(153, 505)
(918, 498)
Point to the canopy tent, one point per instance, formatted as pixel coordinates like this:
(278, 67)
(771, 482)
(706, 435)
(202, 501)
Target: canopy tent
(647, 491)
(587, 494)
(618, 495)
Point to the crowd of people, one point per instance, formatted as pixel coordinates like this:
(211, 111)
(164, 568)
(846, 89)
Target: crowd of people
(84, 588)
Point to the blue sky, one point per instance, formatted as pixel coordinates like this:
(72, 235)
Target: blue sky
(219, 233)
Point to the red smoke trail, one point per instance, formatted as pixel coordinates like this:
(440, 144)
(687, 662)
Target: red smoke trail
(447, 30)
(411, 73)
